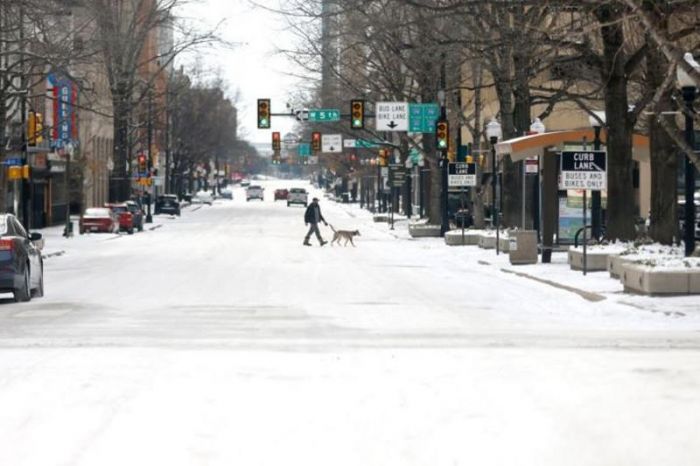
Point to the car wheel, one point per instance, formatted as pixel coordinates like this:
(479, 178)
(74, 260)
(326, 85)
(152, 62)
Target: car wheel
(288, 204)
(39, 291)
(141, 227)
(23, 294)
(81, 231)
(130, 231)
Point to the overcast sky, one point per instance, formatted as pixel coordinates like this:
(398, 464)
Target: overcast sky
(252, 68)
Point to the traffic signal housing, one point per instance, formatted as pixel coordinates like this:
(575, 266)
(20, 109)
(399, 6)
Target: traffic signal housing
(316, 141)
(383, 155)
(35, 128)
(264, 119)
(143, 163)
(276, 141)
(357, 114)
(442, 135)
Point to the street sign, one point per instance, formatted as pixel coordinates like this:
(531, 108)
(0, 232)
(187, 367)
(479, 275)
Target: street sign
(332, 143)
(397, 175)
(302, 115)
(460, 175)
(531, 165)
(584, 170)
(304, 149)
(12, 162)
(324, 114)
(349, 143)
(391, 116)
(422, 117)
(365, 144)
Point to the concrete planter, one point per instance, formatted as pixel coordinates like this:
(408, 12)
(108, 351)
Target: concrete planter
(504, 244)
(381, 218)
(596, 261)
(454, 238)
(424, 230)
(487, 242)
(615, 263)
(658, 281)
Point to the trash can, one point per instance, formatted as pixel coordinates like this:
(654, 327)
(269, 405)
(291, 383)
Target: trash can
(346, 197)
(523, 247)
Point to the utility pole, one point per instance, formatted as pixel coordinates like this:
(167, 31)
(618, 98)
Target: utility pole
(444, 221)
(149, 217)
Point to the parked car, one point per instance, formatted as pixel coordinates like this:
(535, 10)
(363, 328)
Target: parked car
(167, 204)
(98, 219)
(227, 193)
(125, 218)
(255, 192)
(281, 194)
(298, 196)
(21, 265)
(203, 197)
(137, 213)
(245, 182)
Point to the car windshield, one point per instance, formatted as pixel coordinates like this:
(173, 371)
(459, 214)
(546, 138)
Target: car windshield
(119, 209)
(298, 191)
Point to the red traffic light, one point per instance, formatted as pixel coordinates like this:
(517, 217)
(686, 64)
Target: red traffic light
(316, 141)
(276, 141)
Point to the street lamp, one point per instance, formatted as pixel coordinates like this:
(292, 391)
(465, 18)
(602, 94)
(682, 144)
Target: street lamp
(494, 133)
(537, 127)
(688, 88)
(596, 120)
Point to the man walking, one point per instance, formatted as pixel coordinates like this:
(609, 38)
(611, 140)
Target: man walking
(313, 216)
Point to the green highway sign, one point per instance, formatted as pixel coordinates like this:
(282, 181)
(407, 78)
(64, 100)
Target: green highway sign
(304, 149)
(365, 144)
(422, 117)
(324, 114)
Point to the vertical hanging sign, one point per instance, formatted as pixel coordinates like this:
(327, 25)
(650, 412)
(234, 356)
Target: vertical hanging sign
(64, 93)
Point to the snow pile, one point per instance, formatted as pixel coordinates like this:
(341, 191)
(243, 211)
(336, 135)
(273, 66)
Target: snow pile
(670, 263)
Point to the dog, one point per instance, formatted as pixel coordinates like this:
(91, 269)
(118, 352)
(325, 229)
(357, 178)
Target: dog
(347, 235)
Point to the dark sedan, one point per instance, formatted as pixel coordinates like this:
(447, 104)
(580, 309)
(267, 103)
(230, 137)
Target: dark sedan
(167, 204)
(21, 265)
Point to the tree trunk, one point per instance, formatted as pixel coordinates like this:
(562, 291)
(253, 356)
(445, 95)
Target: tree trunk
(120, 183)
(664, 162)
(621, 202)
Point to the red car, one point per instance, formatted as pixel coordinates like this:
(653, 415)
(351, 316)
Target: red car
(98, 219)
(281, 194)
(126, 218)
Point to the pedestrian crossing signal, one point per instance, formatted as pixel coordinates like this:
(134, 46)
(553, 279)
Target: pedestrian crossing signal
(442, 132)
(357, 114)
(264, 117)
(316, 141)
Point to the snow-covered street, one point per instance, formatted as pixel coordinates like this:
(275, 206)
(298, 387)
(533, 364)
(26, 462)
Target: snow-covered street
(218, 339)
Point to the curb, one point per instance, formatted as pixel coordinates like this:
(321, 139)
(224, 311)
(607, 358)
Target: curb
(53, 254)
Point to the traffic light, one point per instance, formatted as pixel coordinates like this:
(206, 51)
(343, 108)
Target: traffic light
(383, 154)
(357, 114)
(316, 141)
(143, 163)
(442, 134)
(264, 120)
(35, 128)
(276, 141)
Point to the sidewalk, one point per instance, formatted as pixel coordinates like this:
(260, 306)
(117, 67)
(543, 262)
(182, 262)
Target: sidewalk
(593, 287)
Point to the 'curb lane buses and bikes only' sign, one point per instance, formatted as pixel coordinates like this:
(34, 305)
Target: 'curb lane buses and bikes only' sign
(584, 170)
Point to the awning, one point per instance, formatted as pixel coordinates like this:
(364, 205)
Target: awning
(537, 144)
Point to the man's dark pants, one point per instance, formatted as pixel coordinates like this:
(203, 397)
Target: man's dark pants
(314, 229)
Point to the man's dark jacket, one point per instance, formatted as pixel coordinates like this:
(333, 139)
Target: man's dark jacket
(310, 215)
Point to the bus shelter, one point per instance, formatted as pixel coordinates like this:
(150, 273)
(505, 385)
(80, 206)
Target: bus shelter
(558, 213)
